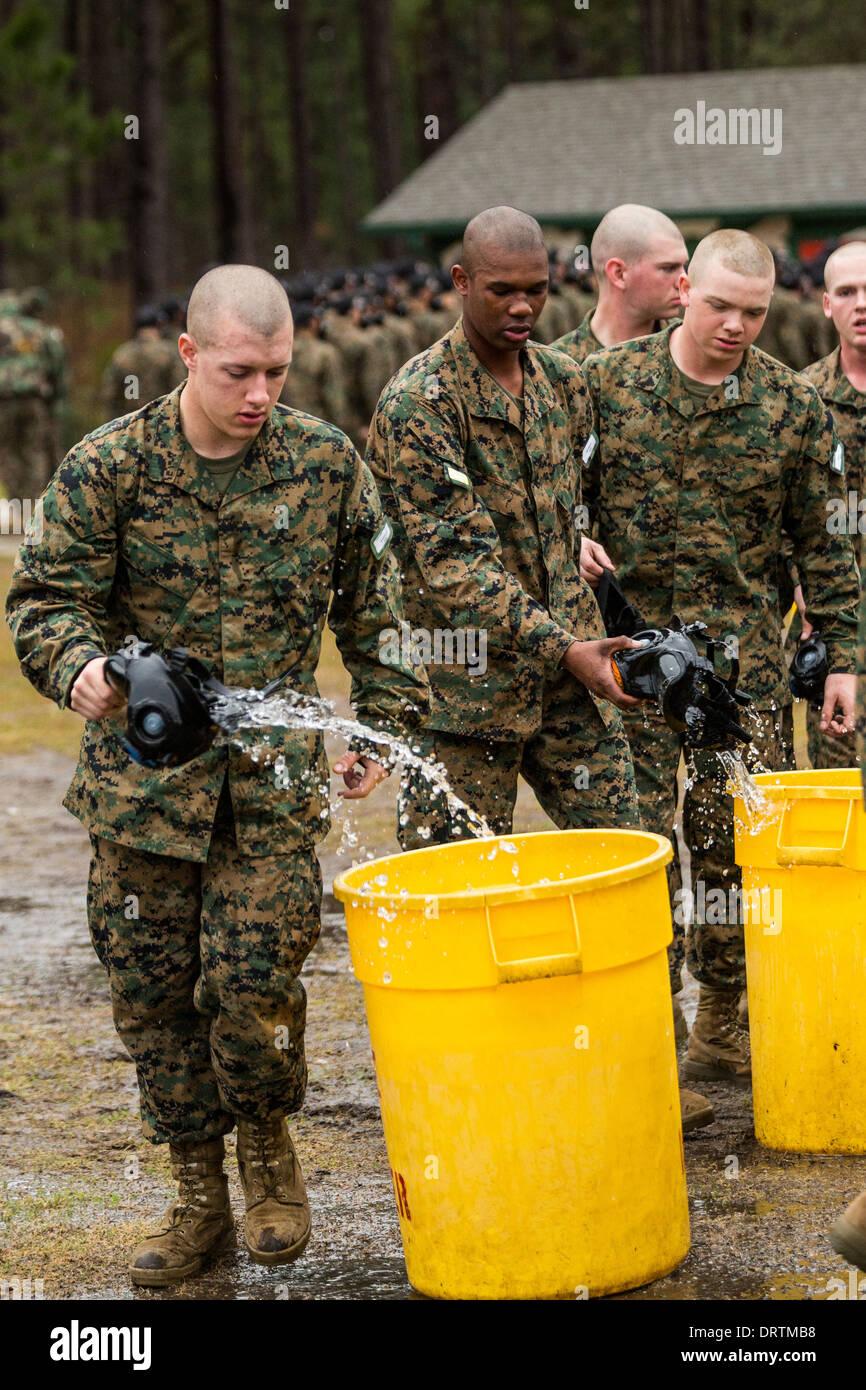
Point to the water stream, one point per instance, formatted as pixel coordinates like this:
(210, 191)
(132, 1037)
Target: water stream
(294, 710)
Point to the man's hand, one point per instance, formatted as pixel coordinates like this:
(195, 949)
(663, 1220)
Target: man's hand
(801, 609)
(361, 773)
(842, 691)
(91, 694)
(594, 559)
(589, 662)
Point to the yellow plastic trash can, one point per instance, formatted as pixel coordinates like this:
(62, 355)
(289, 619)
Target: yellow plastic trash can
(804, 909)
(520, 1017)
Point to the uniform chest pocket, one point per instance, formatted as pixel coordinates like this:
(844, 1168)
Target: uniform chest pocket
(156, 584)
(503, 499)
(302, 580)
(750, 496)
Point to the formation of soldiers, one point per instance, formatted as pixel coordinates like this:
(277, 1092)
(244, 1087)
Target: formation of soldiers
(650, 435)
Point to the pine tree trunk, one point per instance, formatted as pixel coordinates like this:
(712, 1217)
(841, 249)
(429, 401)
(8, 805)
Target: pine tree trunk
(148, 231)
(234, 238)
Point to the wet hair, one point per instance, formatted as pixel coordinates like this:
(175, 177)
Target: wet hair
(499, 229)
(246, 293)
(735, 250)
(849, 251)
(627, 232)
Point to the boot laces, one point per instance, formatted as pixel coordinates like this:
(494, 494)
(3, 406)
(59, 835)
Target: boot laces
(267, 1161)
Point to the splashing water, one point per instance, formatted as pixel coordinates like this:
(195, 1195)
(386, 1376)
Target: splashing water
(760, 810)
(248, 709)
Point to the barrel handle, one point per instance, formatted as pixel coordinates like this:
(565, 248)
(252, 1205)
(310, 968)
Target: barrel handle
(812, 854)
(515, 972)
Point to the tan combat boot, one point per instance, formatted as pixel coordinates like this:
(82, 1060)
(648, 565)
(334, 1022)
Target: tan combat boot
(696, 1111)
(718, 1047)
(196, 1227)
(743, 1011)
(848, 1233)
(681, 1027)
(278, 1214)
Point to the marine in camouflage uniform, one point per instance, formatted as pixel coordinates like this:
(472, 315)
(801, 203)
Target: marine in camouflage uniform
(140, 371)
(315, 380)
(582, 343)
(848, 408)
(204, 886)
(483, 492)
(689, 497)
(33, 392)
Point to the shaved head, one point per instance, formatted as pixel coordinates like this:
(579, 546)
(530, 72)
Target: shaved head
(498, 230)
(628, 232)
(737, 251)
(240, 293)
(843, 259)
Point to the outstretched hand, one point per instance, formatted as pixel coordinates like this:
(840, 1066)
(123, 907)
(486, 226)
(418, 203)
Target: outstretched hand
(361, 774)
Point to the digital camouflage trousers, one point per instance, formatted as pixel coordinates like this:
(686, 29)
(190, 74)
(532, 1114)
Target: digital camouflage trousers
(714, 952)
(580, 771)
(203, 963)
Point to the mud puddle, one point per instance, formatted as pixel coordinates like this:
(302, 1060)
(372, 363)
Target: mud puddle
(80, 1185)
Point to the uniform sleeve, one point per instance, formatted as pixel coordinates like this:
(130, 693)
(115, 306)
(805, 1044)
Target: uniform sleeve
(367, 613)
(825, 561)
(63, 573)
(419, 460)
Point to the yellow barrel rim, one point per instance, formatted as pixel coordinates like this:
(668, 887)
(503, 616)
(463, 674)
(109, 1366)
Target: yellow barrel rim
(781, 786)
(661, 854)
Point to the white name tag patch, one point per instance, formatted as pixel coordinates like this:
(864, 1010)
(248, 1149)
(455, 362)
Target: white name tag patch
(456, 475)
(589, 447)
(382, 539)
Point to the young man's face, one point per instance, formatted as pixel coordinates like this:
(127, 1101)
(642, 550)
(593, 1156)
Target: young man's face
(845, 300)
(238, 377)
(725, 311)
(652, 284)
(504, 296)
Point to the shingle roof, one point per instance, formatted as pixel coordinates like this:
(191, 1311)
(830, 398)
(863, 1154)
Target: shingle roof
(568, 151)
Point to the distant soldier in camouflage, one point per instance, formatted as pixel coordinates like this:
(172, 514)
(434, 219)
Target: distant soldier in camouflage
(215, 519)
(707, 449)
(33, 397)
(638, 255)
(315, 380)
(840, 380)
(143, 369)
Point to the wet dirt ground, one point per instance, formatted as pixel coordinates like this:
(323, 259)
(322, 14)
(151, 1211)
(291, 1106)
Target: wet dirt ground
(79, 1182)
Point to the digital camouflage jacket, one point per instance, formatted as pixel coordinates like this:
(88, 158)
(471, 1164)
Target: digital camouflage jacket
(690, 500)
(137, 540)
(483, 492)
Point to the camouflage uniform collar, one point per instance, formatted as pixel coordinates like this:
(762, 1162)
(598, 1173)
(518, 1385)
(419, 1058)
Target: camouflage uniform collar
(172, 458)
(483, 393)
(661, 375)
(833, 384)
(584, 334)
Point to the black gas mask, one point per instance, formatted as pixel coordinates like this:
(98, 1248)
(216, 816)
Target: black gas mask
(809, 670)
(175, 705)
(695, 701)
